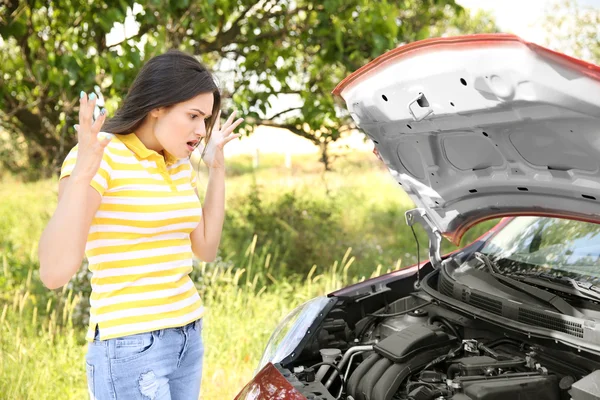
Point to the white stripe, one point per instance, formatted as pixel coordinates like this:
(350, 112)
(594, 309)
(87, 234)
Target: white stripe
(113, 287)
(137, 174)
(179, 162)
(143, 230)
(133, 312)
(181, 175)
(131, 159)
(99, 179)
(106, 167)
(184, 186)
(142, 269)
(146, 216)
(116, 145)
(147, 188)
(152, 325)
(127, 298)
(94, 244)
(143, 201)
(103, 164)
(132, 255)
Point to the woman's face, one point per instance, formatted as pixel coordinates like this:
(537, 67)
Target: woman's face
(179, 128)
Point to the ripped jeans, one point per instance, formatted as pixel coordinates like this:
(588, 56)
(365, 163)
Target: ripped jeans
(160, 365)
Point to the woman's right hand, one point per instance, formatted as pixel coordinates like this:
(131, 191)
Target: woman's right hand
(91, 142)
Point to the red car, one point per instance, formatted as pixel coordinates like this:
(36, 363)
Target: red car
(472, 128)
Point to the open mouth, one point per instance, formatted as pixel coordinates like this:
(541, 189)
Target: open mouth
(192, 144)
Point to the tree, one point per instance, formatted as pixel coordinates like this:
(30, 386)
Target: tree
(573, 30)
(48, 54)
(277, 59)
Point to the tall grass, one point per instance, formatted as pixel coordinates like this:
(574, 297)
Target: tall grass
(246, 291)
(42, 353)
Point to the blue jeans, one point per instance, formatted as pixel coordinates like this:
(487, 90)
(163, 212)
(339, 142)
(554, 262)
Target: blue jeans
(159, 365)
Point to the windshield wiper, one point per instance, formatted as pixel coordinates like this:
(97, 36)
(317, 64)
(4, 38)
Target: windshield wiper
(517, 282)
(562, 283)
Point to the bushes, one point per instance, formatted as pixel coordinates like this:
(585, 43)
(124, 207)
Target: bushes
(301, 231)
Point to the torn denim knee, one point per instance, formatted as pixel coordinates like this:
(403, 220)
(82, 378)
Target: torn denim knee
(148, 385)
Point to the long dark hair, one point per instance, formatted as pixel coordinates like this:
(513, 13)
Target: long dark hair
(164, 80)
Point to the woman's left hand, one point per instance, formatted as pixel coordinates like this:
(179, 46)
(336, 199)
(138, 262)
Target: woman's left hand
(213, 156)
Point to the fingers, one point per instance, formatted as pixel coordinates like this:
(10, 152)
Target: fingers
(228, 122)
(230, 138)
(104, 138)
(232, 127)
(99, 121)
(86, 109)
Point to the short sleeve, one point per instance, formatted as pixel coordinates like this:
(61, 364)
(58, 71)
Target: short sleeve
(101, 180)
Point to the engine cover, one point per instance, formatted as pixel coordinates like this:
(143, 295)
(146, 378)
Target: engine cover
(403, 346)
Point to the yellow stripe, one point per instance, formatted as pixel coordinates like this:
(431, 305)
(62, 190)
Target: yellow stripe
(142, 208)
(142, 261)
(138, 181)
(132, 235)
(90, 333)
(148, 193)
(146, 303)
(141, 289)
(111, 280)
(138, 247)
(147, 224)
(122, 152)
(179, 168)
(151, 317)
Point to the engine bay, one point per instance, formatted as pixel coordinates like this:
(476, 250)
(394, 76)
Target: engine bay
(416, 348)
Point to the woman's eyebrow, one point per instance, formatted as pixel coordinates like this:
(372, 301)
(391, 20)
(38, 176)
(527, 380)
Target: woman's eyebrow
(201, 112)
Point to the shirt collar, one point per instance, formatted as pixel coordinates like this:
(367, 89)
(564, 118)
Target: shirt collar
(133, 143)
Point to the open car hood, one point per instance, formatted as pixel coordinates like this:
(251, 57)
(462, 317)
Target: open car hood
(482, 126)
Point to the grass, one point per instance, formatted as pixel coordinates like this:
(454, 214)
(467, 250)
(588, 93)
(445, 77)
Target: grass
(247, 291)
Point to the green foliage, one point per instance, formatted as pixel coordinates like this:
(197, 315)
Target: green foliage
(262, 51)
(303, 230)
(49, 51)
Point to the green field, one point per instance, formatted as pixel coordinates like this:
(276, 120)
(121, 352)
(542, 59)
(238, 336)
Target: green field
(289, 235)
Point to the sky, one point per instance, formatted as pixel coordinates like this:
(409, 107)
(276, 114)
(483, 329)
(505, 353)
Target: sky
(520, 17)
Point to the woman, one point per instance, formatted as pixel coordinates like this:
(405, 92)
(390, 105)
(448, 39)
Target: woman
(128, 200)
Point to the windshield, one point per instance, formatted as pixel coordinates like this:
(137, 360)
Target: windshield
(559, 247)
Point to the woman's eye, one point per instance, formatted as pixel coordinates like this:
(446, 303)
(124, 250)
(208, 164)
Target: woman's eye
(193, 116)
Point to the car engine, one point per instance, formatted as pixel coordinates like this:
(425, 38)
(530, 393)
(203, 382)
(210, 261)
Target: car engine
(420, 350)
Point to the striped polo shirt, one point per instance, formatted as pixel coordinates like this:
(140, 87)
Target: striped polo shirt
(138, 248)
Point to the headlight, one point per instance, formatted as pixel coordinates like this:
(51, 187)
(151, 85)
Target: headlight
(290, 331)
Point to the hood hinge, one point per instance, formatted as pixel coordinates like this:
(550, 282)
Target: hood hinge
(419, 215)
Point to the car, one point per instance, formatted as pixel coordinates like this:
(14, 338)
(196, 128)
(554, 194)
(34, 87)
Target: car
(473, 128)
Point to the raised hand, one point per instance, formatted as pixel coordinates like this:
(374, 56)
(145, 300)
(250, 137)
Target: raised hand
(91, 142)
(213, 155)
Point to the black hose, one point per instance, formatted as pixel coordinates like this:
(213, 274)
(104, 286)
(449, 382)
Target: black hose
(445, 323)
(396, 314)
(437, 360)
(373, 317)
(501, 341)
(452, 370)
(340, 374)
(488, 351)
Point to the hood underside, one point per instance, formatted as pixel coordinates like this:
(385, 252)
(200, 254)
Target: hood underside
(482, 126)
